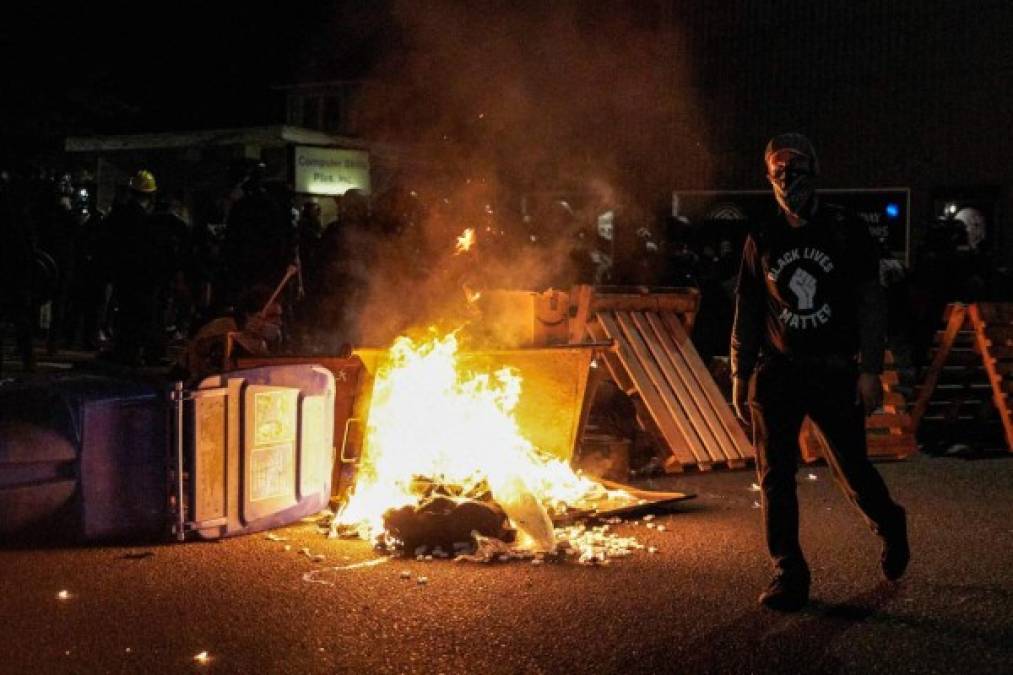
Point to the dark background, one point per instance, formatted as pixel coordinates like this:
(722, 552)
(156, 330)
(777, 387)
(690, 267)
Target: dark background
(904, 93)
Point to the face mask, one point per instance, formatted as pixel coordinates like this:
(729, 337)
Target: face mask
(794, 193)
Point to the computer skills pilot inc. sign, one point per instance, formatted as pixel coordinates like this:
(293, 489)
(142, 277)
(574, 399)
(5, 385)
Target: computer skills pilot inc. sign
(330, 171)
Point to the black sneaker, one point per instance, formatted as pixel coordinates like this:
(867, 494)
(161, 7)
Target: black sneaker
(788, 592)
(896, 552)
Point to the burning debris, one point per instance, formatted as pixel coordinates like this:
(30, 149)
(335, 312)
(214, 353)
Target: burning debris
(445, 471)
(442, 523)
(444, 456)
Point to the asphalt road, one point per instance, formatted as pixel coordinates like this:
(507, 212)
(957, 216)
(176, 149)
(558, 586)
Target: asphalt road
(689, 608)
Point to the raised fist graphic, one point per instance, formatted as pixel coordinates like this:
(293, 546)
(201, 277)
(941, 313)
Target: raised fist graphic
(803, 285)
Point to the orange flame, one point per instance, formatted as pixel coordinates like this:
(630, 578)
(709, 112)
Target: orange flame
(465, 241)
(427, 418)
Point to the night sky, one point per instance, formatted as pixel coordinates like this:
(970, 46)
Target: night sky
(685, 91)
(89, 68)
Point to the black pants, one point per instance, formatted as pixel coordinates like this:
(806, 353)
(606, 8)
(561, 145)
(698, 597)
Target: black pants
(783, 392)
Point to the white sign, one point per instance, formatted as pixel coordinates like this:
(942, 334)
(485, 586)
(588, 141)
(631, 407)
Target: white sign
(330, 171)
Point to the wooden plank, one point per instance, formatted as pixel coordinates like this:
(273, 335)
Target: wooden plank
(813, 443)
(611, 359)
(963, 358)
(687, 301)
(685, 415)
(675, 338)
(894, 402)
(956, 318)
(888, 421)
(889, 378)
(675, 430)
(681, 385)
(622, 379)
(904, 445)
(998, 394)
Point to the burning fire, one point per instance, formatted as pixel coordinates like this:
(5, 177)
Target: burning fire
(429, 420)
(465, 241)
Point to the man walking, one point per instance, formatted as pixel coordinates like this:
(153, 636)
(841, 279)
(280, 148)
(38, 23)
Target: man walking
(808, 339)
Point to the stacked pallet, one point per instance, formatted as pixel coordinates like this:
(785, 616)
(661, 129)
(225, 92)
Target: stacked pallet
(889, 432)
(957, 401)
(653, 360)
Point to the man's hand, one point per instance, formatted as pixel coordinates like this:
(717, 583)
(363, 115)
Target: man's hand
(740, 401)
(869, 391)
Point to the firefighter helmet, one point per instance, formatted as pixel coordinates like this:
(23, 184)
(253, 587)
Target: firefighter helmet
(143, 181)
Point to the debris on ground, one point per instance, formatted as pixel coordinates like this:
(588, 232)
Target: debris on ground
(439, 522)
(487, 549)
(320, 576)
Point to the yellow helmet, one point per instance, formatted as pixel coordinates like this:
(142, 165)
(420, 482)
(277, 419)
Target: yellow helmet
(143, 181)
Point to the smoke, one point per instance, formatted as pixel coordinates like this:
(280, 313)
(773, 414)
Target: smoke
(500, 111)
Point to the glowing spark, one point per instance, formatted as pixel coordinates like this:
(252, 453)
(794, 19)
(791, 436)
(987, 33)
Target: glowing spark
(471, 296)
(63, 595)
(465, 241)
(202, 658)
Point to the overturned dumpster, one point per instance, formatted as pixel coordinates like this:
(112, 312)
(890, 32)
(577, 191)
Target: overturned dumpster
(93, 458)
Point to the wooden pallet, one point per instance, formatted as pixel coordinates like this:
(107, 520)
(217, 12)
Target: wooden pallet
(993, 330)
(653, 360)
(889, 434)
(956, 316)
(965, 392)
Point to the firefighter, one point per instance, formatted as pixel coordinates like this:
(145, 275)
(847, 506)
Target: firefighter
(135, 259)
(808, 339)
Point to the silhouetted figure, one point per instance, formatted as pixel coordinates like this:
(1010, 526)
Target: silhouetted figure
(136, 261)
(348, 251)
(17, 269)
(171, 234)
(58, 231)
(808, 339)
(259, 242)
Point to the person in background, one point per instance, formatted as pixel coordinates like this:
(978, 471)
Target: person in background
(259, 243)
(170, 229)
(17, 268)
(58, 229)
(134, 254)
(808, 339)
